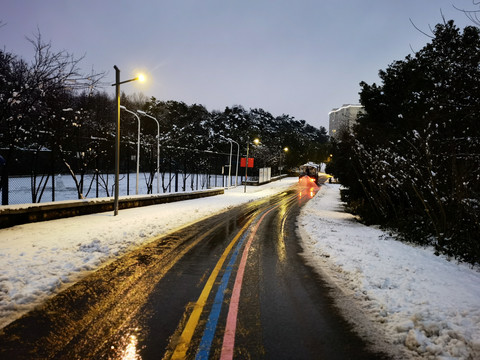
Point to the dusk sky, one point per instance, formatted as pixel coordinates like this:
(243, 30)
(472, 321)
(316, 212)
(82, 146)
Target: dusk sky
(298, 57)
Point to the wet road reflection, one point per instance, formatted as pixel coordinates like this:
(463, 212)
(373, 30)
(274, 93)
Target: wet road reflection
(130, 351)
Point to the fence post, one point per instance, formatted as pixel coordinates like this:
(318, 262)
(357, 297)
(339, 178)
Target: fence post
(53, 176)
(96, 182)
(176, 181)
(4, 180)
(128, 169)
(170, 175)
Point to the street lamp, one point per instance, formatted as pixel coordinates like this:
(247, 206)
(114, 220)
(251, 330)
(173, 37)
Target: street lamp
(138, 144)
(117, 133)
(256, 142)
(158, 146)
(238, 155)
(230, 163)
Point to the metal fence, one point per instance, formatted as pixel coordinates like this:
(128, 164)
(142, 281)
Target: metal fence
(41, 176)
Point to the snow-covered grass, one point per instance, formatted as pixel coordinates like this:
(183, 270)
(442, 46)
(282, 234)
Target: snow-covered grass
(423, 303)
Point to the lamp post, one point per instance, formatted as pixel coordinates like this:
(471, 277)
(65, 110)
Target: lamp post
(230, 163)
(138, 144)
(238, 154)
(256, 141)
(117, 133)
(158, 146)
(238, 158)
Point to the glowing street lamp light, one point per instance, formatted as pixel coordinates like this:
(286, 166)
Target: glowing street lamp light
(158, 146)
(117, 132)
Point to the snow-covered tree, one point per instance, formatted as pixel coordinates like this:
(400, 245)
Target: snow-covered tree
(32, 101)
(413, 161)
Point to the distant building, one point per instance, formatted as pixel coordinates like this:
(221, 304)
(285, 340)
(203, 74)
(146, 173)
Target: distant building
(343, 118)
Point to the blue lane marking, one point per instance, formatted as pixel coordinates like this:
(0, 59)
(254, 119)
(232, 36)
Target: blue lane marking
(209, 332)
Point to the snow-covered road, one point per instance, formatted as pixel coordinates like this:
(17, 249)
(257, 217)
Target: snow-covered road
(425, 304)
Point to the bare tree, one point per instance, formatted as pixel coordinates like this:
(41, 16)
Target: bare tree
(34, 97)
(59, 71)
(472, 15)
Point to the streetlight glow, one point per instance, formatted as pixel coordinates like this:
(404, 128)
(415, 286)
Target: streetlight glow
(141, 77)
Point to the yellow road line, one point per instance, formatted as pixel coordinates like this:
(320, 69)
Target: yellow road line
(187, 334)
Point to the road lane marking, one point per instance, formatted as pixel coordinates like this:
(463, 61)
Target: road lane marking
(211, 327)
(231, 325)
(187, 334)
(203, 351)
(183, 344)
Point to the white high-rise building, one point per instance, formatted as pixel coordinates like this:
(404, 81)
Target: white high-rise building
(343, 118)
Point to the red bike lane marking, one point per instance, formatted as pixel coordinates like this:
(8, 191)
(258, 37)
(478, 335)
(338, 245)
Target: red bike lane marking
(231, 325)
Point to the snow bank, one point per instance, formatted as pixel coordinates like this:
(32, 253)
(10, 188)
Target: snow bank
(424, 302)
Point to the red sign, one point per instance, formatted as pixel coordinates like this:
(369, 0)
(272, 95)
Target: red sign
(243, 162)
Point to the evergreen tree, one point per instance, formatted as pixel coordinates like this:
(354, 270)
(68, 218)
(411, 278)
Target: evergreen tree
(413, 160)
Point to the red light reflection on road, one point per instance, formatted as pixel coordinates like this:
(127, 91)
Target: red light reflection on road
(307, 186)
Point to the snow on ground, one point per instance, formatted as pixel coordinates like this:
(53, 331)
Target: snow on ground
(426, 304)
(419, 300)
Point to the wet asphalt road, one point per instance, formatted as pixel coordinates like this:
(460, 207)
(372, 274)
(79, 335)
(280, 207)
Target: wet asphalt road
(232, 286)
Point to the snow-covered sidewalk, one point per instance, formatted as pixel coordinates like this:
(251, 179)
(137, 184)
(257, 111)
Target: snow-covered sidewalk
(419, 300)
